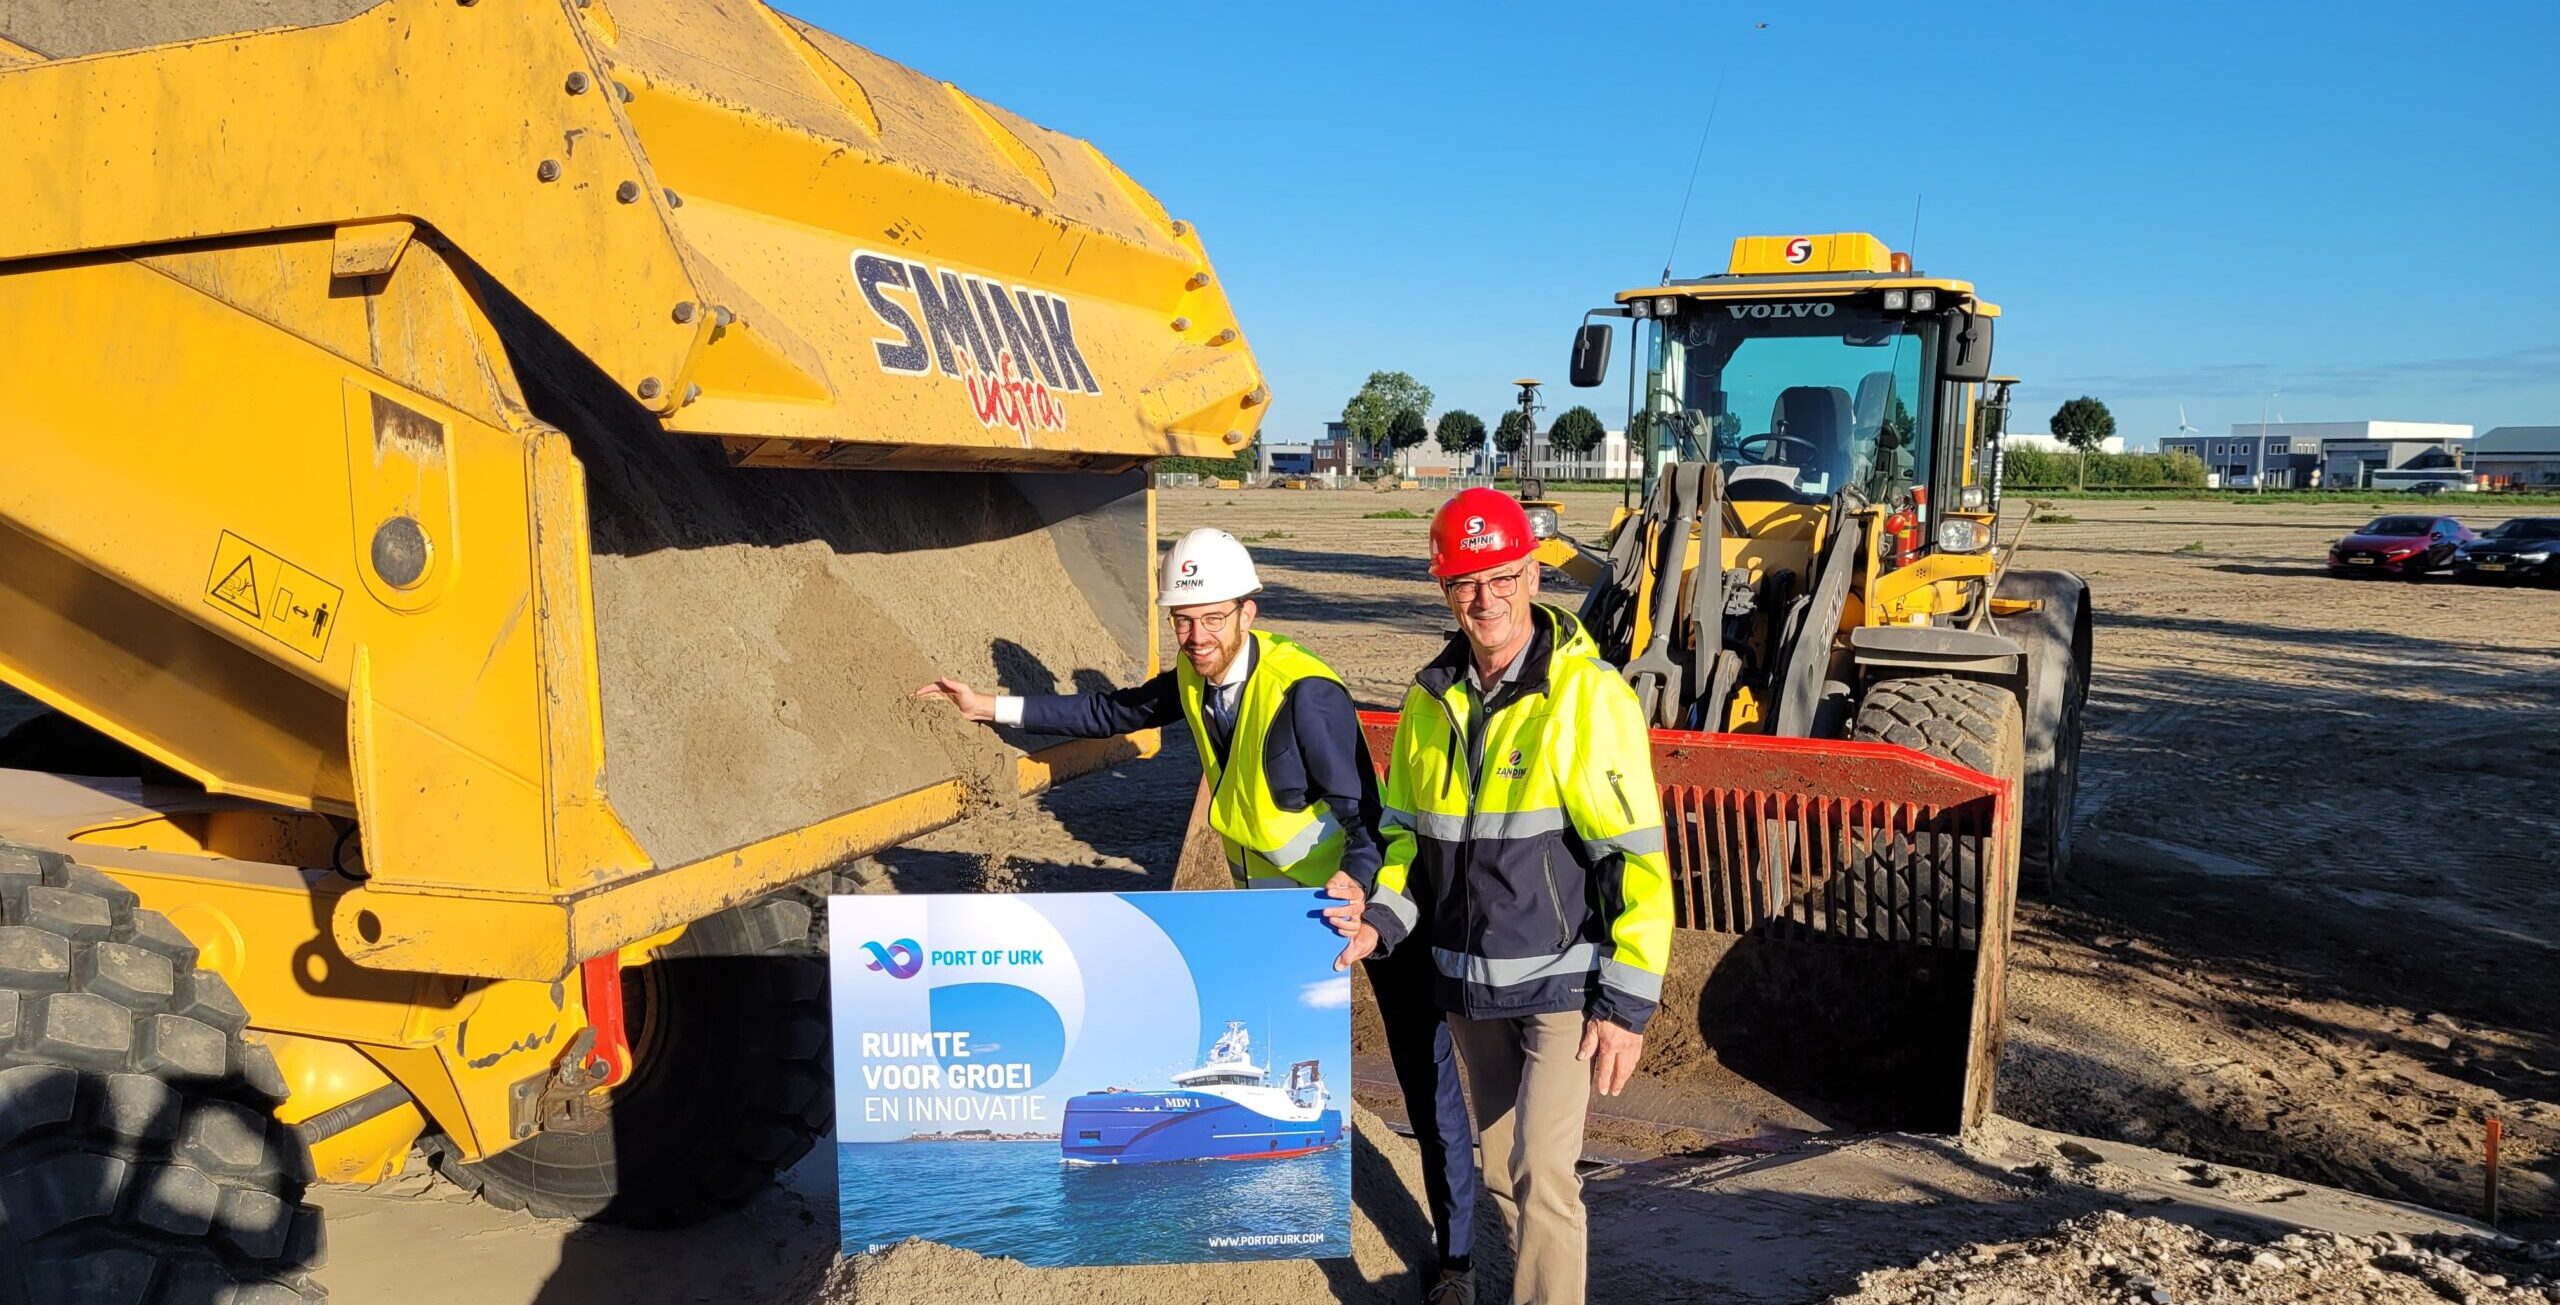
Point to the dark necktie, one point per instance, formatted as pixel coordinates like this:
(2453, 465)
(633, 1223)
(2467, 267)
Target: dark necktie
(1222, 716)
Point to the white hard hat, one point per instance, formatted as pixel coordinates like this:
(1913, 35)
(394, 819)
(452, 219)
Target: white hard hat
(1206, 566)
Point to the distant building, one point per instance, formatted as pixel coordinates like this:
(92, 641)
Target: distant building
(2050, 443)
(1286, 459)
(1610, 459)
(1336, 454)
(1429, 459)
(2518, 457)
(1340, 450)
(2303, 454)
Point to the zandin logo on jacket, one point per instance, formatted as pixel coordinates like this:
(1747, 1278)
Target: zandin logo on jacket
(1012, 349)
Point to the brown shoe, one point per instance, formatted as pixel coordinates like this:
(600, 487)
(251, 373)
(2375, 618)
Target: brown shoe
(1456, 1287)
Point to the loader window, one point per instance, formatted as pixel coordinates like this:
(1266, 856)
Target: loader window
(1808, 395)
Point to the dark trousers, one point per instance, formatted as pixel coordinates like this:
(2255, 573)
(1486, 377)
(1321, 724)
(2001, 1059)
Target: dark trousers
(1426, 1067)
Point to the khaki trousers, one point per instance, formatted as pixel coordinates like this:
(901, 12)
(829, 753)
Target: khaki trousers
(1531, 1097)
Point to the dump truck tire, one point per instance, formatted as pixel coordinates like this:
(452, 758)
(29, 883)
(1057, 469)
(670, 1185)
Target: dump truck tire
(729, 1084)
(140, 1156)
(1928, 887)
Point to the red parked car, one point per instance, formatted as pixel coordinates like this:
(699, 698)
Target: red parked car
(2403, 546)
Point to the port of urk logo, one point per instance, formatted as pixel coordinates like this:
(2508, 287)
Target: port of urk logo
(902, 959)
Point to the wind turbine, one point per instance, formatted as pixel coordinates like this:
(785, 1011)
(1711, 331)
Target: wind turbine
(2183, 427)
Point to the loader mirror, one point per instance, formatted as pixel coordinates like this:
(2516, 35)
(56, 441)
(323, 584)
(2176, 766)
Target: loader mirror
(1590, 354)
(1968, 353)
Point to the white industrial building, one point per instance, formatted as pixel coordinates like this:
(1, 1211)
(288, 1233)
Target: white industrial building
(2334, 454)
(2051, 443)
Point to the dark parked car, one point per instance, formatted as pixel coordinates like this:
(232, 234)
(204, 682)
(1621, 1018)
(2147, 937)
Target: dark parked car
(2399, 545)
(2525, 548)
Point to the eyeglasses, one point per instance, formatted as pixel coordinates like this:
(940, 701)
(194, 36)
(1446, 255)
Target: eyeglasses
(1466, 588)
(1212, 623)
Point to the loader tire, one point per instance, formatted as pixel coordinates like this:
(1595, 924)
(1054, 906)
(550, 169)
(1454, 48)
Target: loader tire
(1927, 888)
(729, 1085)
(140, 1156)
(2051, 803)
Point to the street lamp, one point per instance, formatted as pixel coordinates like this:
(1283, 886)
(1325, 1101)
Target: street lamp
(2263, 409)
(1529, 432)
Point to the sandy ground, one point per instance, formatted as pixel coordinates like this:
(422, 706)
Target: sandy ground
(2312, 933)
(1799, 1225)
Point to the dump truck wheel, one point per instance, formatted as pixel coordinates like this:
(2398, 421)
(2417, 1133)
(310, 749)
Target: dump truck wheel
(1928, 887)
(140, 1156)
(729, 1084)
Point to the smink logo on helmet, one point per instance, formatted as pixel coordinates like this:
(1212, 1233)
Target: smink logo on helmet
(1799, 249)
(1013, 350)
(1475, 525)
(902, 959)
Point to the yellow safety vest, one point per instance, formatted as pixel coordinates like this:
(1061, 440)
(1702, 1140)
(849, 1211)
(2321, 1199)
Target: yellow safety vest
(1268, 846)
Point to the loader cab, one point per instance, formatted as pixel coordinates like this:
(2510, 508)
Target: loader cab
(1816, 365)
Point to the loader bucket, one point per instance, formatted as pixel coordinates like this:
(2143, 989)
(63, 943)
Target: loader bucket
(1840, 954)
(560, 436)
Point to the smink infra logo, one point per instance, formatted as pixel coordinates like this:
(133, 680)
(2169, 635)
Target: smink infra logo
(901, 958)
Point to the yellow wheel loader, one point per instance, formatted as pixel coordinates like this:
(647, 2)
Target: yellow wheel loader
(1820, 424)
(1865, 720)
(478, 481)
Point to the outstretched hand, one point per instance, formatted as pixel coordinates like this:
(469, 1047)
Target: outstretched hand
(972, 704)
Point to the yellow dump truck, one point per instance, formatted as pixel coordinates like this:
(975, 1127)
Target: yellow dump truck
(478, 479)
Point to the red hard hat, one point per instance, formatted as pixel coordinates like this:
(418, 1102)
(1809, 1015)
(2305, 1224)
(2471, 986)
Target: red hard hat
(1480, 528)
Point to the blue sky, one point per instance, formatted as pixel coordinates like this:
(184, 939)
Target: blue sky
(1274, 973)
(2353, 204)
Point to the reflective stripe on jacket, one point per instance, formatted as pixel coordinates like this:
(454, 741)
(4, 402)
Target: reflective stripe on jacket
(1523, 836)
(1268, 845)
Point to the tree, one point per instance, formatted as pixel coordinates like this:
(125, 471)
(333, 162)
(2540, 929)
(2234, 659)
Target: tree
(2084, 424)
(1512, 431)
(1460, 431)
(1371, 414)
(1577, 431)
(1407, 429)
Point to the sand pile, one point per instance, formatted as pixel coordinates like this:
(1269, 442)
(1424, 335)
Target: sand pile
(1390, 1240)
(2111, 1257)
(759, 632)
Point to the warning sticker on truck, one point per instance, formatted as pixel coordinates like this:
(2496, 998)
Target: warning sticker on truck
(273, 596)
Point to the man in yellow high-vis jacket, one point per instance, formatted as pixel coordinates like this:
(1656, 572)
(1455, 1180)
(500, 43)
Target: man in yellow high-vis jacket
(1294, 799)
(1524, 847)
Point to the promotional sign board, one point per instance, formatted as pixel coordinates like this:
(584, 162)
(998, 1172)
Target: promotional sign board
(1093, 1078)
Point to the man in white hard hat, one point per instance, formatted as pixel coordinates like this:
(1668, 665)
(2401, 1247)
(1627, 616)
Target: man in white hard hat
(1294, 799)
